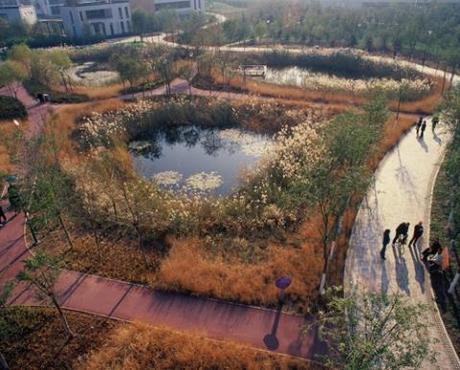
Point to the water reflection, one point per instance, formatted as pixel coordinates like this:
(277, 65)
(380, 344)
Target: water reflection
(191, 158)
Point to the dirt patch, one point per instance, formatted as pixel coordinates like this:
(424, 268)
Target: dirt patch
(34, 338)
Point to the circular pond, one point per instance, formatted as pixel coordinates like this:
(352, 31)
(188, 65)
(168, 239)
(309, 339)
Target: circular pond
(194, 159)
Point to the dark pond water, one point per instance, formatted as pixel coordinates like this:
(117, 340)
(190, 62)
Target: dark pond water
(198, 160)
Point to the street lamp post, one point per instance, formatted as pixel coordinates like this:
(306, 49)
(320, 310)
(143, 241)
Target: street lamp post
(282, 284)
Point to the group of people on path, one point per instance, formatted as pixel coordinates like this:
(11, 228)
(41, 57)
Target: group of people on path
(420, 126)
(432, 256)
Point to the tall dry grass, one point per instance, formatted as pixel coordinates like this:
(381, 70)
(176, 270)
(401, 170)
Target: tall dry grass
(287, 92)
(189, 268)
(140, 346)
(99, 93)
(63, 122)
(7, 133)
(426, 105)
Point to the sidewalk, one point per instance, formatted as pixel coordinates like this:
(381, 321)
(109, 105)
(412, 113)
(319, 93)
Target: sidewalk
(402, 192)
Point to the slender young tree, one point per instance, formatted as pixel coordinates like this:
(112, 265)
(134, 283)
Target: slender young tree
(42, 272)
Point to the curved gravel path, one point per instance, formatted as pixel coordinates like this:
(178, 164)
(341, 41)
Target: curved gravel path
(402, 192)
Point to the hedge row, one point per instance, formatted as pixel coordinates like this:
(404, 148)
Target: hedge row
(11, 108)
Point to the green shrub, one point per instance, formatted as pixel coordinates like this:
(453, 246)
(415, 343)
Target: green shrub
(341, 64)
(56, 97)
(11, 108)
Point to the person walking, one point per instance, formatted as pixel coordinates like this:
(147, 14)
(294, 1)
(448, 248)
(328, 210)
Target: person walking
(431, 250)
(418, 125)
(385, 242)
(422, 129)
(434, 123)
(418, 232)
(3, 219)
(401, 230)
(14, 198)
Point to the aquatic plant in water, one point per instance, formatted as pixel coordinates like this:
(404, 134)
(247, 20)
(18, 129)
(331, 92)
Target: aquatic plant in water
(203, 181)
(167, 178)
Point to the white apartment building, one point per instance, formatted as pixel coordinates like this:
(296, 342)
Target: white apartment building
(15, 12)
(104, 18)
(180, 6)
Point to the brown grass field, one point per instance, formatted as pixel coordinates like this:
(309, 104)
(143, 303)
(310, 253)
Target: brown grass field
(7, 132)
(36, 339)
(226, 277)
(140, 346)
(425, 105)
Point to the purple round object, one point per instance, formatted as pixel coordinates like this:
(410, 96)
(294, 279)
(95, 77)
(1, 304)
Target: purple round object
(283, 282)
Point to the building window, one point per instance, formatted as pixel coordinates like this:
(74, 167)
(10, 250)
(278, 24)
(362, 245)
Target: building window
(111, 29)
(81, 16)
(74, 31)
(126, 12)
(71, 17)
(194, 4)
(120, 13)
(199, 4)
(174, 5)
(122, 27)
(99, 14)
(128, 26)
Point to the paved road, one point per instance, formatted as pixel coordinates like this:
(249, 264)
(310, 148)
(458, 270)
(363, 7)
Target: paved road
(402, 192)
(120, 300)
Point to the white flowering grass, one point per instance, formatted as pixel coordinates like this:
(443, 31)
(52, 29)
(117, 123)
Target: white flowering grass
(204, 181)
(167, 178)
(249, 144)
(319, 81)
(79, 75)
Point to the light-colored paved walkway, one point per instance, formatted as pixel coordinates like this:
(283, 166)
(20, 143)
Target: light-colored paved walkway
(402, 192)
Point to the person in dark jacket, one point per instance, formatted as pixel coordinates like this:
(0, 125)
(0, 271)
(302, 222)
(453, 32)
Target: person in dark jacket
(431, 250)
(3, 218)
(418, 232)
(422, 129)
(14, 198)
(418, 125)
(434, 123)
(385, 242)
(401, 230)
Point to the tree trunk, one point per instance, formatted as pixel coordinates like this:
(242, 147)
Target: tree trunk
(62, 316)
(443, 82)
(451, 82)
(66, 232)
(399, 105)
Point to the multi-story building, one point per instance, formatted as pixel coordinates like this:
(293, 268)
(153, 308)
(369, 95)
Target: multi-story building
(104, 18)
(13, 11)
(180, 6)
